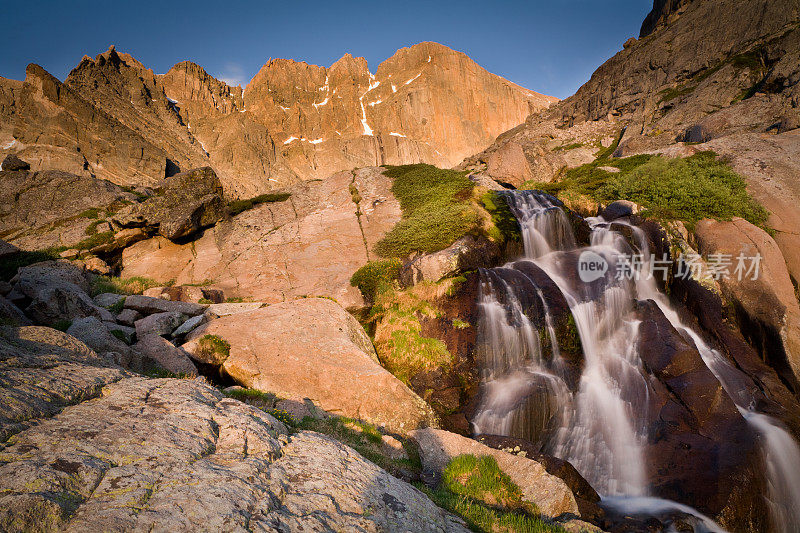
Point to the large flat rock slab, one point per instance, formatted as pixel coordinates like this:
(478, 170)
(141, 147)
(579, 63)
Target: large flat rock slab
(312, 348)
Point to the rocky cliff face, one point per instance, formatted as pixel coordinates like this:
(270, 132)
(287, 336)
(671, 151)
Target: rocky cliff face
(719, 75)
(115, 119)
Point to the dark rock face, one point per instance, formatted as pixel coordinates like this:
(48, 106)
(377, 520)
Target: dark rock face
(700, 448)
(14, 163)
(187, 202)
(662, 11)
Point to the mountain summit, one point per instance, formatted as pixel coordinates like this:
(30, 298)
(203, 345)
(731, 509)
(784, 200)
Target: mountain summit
(293, 121)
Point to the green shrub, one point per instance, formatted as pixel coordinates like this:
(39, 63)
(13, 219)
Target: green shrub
(93, 212)
(436, 210)
(262, 400)
(160, 373)
(566, 147)
(127, 286)
(12, 262)
(688, 189)
(95, 240)
(238, 206)
(460, 324)
(375, 276)
(62, 324)
(210, 345)
(204, 301)
(120, 335)
(117, 306)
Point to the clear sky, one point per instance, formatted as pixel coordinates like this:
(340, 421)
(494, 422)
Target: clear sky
(548, 46)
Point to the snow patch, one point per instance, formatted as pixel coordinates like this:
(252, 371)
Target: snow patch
(395, 134)
(316, 141)
(9, 144)
(394, 89)
(321, 103)
(284, 108)
(290, 139)
(412, 79)
(429, 59)
(171, 101)
(375, 102)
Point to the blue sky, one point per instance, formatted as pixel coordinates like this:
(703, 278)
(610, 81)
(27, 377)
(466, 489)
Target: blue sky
(551, 47)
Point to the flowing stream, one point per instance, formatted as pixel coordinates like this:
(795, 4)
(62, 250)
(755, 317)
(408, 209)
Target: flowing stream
(601, 427)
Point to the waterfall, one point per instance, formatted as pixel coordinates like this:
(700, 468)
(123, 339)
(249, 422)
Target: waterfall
(601, 427)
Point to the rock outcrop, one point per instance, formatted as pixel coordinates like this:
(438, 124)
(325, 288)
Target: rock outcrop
(308, 244)
(312, 348)
(185, 203)
(90, 447)
(760, 289)
(52, 208)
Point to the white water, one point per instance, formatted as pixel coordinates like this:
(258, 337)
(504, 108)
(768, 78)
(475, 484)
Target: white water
(601, 428)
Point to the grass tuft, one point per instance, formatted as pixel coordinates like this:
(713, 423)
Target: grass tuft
(126, 286)
(213, 345)
(238, 206)
(475, 489)
(376, 277)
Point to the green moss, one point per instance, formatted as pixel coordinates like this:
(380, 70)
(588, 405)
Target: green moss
(409, 353)
(238, 206)
(480, 478)
(117, 306)
(95, 240)
(210, 346)
(120, 335)
(234, 300)
(475, 489)
(263, 400)
(504, 224)
(460, 324)
(204, 301)
(436, 210)
(687, 189)
(375, 276)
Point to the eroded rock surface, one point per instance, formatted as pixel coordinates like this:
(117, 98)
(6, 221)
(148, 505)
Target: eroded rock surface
(137, 453)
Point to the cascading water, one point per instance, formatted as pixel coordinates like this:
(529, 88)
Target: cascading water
(601, 428)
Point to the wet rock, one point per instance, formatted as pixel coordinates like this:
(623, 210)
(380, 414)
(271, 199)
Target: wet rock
(619, 209)
(312, 348)
(467, 253)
